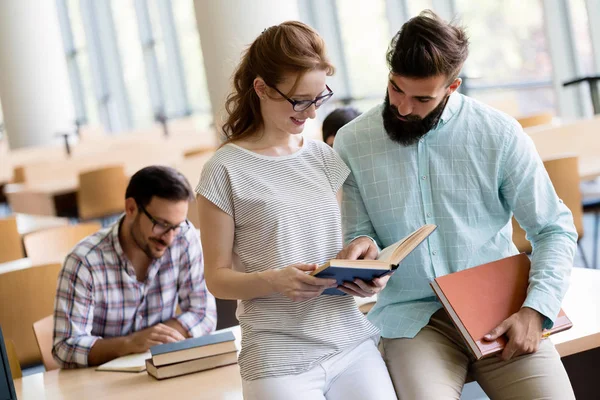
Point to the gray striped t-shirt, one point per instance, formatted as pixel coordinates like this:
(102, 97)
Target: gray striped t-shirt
(285, 212)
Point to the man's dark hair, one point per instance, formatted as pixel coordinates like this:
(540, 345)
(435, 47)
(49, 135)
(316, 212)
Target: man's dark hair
(336, 119)
(428, 46)
(160, 181)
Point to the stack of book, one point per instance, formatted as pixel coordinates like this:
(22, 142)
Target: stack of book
(192, 355)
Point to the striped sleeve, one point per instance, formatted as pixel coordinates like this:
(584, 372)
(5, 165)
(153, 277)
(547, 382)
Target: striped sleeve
(73, 315)
(215, 185)
(335, 168)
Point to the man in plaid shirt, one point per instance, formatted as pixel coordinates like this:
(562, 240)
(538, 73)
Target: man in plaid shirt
(119, 288)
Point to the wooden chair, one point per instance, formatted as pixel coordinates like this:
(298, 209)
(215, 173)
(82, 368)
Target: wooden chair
(564, 175)
(536, 119)
(102, 192)
(18, 174)
(53, 245)
(10, 245)
(27, 295)
(13, 360)
(198, 152)
(43, 331)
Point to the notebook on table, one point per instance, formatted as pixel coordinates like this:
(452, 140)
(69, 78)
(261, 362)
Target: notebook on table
(129, 363)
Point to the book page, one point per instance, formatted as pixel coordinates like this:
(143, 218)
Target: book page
(395, 253)
(387, 253)
(132, 362)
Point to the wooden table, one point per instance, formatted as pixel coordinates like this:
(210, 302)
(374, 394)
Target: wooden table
(576, 346)
(52, 199)
(222, 383)
(582, 306)
(579, 347)
(33, 223)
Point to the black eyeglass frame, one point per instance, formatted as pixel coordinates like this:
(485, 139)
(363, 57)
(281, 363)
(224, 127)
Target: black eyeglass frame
(183, 227)
(324, 98)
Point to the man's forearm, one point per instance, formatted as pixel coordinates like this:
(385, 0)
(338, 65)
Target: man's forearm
(105, 350)
(173, 323)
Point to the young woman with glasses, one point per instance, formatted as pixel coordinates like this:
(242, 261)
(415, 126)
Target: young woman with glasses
(269, 216)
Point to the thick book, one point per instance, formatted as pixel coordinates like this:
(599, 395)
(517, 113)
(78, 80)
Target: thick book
(130, 363)
(190, 349)
(388, 260)
(478, 299)
(189, 367)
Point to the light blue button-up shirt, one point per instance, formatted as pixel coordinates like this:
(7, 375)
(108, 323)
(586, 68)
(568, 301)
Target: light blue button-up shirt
(468, 176)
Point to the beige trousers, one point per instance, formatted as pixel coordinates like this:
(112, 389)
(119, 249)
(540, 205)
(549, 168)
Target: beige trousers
(436, 363)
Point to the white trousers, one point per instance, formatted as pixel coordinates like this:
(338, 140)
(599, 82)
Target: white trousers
(358, 373)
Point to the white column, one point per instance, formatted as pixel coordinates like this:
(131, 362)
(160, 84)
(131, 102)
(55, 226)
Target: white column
(34, 84)
(226, 28)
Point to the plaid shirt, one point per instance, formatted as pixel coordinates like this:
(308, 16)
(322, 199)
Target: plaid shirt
(98, 294)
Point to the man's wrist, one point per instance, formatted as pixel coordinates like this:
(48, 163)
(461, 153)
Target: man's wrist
(532, 313)
(125, 345)
(365, 238)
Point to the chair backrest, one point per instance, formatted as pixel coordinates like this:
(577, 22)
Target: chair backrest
(101, 192)
(43, 331)
(52, 245)
(564, 175)
(13, 360)
(534, 120)
(27, 295)
(10, 245)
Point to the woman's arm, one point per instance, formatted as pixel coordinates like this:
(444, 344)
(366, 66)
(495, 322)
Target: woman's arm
(217, 232)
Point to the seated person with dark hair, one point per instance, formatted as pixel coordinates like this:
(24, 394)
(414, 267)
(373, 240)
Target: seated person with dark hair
(119, 288)
(335, 120)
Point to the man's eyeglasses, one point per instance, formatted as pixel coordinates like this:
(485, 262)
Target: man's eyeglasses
(161, 228)
(302, 105)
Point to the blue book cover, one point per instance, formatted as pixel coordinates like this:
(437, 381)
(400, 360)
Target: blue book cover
(388, 260)
(348, 274)
(192, 343)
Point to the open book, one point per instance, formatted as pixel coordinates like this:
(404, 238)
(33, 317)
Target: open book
(388, 260)
(130, 363)
(478, 299)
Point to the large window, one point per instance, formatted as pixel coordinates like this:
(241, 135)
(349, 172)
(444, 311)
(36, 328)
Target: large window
(509, 65)
(132, 62)
(416, 6)
(581, 36)
(78, 62)
(365, 48)
(136, 81)
(193, 64)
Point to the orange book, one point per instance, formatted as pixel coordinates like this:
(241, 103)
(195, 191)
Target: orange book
(478, 299)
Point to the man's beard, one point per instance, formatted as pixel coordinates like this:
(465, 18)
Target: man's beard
(409, 132)
(136, 234)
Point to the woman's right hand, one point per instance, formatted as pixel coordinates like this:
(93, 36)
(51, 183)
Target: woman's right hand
(295, 283)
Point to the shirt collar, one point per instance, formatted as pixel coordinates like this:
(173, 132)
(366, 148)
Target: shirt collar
(452, 107)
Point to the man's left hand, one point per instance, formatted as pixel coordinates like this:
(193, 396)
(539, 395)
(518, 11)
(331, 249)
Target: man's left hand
(523, 330)
(361, 288)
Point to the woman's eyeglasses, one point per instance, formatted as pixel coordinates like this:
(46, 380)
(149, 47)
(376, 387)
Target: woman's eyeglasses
(303, 105)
